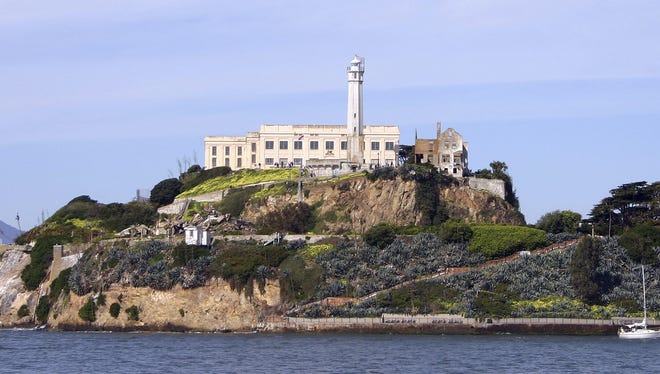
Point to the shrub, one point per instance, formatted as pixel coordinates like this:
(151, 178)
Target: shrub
(293, 218)
(381, 235)
(114, 310)
(235, 201)
(496, 241)
(43, 308)
(455, 232)
(23, 311)
(165, 191)
(40, 259)
(59, 285)
(88, 311)
(133, 313)
(183, 253)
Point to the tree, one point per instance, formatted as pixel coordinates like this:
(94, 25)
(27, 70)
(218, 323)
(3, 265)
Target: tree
(455, 232)
(557, 222)
(294, 218)
(584, 263)
(639, 243)
(381, 235)
(165, 191)
(406, 154)
(629, 205)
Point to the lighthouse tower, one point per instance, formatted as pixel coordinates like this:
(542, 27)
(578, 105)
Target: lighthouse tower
(354, 125)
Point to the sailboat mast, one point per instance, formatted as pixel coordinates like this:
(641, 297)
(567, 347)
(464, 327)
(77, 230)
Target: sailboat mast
(644, 292)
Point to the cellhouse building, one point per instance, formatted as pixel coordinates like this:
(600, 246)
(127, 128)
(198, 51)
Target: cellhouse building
(324, 149)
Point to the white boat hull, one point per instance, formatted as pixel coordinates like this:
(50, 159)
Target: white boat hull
(639, 334)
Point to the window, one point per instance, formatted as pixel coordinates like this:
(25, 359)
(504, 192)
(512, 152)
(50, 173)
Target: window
(374, 161)
(429, 158)
(239, 162)
(270, 144)
(389, 161)
(343, 145)
(268, 161)
(214, 162)
(254, 147)
(239, 151)
(313, 144)
(389, 146)
(446, 158)
(329, 145)
(214, 151)
(284, 144)
(297, 161)
(297, 144)
(284, 161)
(227, 162)
(375, 146)
(227, 151)
(254, 159)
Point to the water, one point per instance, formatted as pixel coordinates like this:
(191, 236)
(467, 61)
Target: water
(77, 352)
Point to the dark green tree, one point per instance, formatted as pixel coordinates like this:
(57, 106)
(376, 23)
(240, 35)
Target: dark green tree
(406, 154)
(559, 221)
(88, 311)
(584, 262)
(629, 205)
(165, 191)
(455, 232)
(381, 235)
(639, 243)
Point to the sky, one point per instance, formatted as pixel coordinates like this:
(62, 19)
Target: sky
(102, 98)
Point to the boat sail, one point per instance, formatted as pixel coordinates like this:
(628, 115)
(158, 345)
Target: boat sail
(639, 330)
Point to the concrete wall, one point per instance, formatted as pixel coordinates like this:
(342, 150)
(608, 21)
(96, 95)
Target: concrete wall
(494, 186)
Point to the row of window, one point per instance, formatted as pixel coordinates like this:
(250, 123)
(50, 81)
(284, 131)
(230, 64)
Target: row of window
(329, 145)
(239, 150)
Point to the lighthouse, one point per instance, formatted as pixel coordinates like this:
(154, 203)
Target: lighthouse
(354, 124)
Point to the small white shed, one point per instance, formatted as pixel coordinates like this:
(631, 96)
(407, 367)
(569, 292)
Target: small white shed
(195, 235)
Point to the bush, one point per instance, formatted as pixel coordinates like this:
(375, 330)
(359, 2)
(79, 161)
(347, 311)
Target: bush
(381, 235)
(40, 259)
(183, 253)
(455, 232)
(43, 308)
(496, 241)
(235, 201)
(88, 311)
(114, 310)
(292, 218)
(165, 191)
(23, 311)
(59, 285)
(133, 313)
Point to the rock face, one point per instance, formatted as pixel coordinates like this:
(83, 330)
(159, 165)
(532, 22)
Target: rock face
(12, 290)
(214, 307)
(356, 204)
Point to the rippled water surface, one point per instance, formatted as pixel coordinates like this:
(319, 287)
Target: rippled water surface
(24, 351)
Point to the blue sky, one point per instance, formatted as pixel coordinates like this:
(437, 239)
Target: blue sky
(102, 98)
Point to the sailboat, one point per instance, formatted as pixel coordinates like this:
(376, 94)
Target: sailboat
(639, 330)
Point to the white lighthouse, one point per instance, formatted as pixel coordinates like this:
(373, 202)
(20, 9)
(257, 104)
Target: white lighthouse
(354, 124)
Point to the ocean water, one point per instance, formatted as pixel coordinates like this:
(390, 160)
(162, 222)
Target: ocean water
(24, 351)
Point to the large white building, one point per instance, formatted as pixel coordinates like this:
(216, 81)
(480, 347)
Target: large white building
(325, 148)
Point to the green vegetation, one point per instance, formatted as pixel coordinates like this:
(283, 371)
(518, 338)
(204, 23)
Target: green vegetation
(234, 202)
(114, 310)
(23, 311)
(292, 218)
(584, 265)
(88, 311)
(455, 232)
(498, 170)
(629, 205)
(240, 265)
(40, 259)
(42, 310)
(557, 222)
(495, 241)
(639, 242)
(196, 176)
(165, 191)
(423, 297)
(133, 313)
(242, 178)
(183, 253)
(298, 279)
(312, 251)
(381, 235)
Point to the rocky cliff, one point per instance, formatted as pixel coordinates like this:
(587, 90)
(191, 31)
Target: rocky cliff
(356, 204)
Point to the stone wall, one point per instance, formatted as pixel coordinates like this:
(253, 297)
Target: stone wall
(494, 186)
